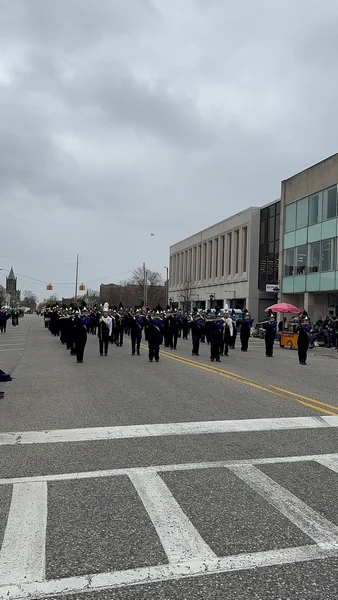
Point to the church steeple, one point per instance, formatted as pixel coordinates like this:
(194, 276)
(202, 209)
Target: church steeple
(11, 275)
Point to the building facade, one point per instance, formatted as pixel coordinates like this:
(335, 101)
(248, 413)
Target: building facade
(218, 265)
(268, 266)
(309, 229)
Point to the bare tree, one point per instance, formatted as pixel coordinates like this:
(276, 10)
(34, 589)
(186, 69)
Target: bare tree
(30, 299)
(186, 294)
(53, 299)
(91, 297)
(156, 293)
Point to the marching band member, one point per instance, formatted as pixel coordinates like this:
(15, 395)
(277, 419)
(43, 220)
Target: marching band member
(155, 336)
(136, 324)
(105, 330)
(270, 334)
(196, 330)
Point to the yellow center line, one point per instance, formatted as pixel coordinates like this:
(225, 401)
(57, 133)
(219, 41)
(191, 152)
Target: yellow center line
(273, 390)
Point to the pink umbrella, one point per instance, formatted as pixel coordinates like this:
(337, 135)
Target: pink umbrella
(284, 307)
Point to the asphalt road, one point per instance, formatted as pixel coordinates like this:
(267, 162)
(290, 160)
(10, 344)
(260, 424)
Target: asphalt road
(185, 479)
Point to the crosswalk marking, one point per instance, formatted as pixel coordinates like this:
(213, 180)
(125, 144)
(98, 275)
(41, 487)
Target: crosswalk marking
(179, 538)
(164, 429)
(22, 557)
(329, 461)
(319, 529)
(330, 458)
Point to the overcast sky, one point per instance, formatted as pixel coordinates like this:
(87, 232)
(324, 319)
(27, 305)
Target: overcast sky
(122, 118)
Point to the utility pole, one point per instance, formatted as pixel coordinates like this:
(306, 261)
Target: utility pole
(145, 287)
(167, 286)
(76, 276)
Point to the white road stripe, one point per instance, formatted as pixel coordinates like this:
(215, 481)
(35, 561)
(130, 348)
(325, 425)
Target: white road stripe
(165, 429)
(22, 556)
(188, 569)
(165, 468)
(179, 538)
(319, 529)
(330, 461)
(13, 350)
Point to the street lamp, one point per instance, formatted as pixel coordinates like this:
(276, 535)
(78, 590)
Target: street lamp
(167, 286)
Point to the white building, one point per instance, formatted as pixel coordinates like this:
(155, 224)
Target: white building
(218, 265)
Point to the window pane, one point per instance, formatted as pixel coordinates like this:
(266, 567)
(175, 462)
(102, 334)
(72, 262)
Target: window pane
(330, 203)
(301, 260)
(271, 229)
(290, 217)
(278, 208)
(302, 209)
(272, 210)
(327, 256)
(271, 248)
(277, 227)
(314, 257)
(263, 232)
(315, 209)
(264, 213)
(289, 262)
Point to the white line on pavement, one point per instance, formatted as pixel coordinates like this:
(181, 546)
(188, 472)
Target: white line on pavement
(22, 557)
(329, 461)
(165, 429)
(179, 538)
(170, 572)
(319, 529)
(166, 468)
(13, 350)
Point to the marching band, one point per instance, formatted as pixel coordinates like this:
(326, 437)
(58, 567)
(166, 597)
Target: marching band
(73, 324)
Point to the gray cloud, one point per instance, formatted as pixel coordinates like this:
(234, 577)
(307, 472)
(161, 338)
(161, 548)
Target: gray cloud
(118, 119)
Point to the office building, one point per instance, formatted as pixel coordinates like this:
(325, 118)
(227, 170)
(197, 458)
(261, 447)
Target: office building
(309, 228)
(218, 265)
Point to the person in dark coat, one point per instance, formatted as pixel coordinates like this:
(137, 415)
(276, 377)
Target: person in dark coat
(246, 324)
(155, 336)
(196, 329)
(136, 324)
(303, 343)
(80, 335)
(270, 334)
(215, 333)
(104, 330)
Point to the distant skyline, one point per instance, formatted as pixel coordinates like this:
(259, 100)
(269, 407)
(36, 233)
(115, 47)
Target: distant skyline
(123, 119)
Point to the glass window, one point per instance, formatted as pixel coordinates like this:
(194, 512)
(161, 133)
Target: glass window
(301, 264)
(327, 255)
(229, 254)
(302, 210)
(278, 208)
(277, 227)
(314, 257)
(290, 217)
(330, 203)
(236, 251)
(315, 209)
(289, 262)
(264, 213)
(272, 210)
(271, 229)
(263, 232)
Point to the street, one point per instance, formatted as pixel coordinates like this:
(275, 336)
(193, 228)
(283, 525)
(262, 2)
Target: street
(185, 479)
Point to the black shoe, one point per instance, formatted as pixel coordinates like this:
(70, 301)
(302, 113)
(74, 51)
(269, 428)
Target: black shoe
(226, 354)
(133, 353)
(157, 359)
(101, 354)
(150, 360)
(106, 354)
(80, 361)
(139, 354)
(218, 359)
(212, 359)
(196, 354)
